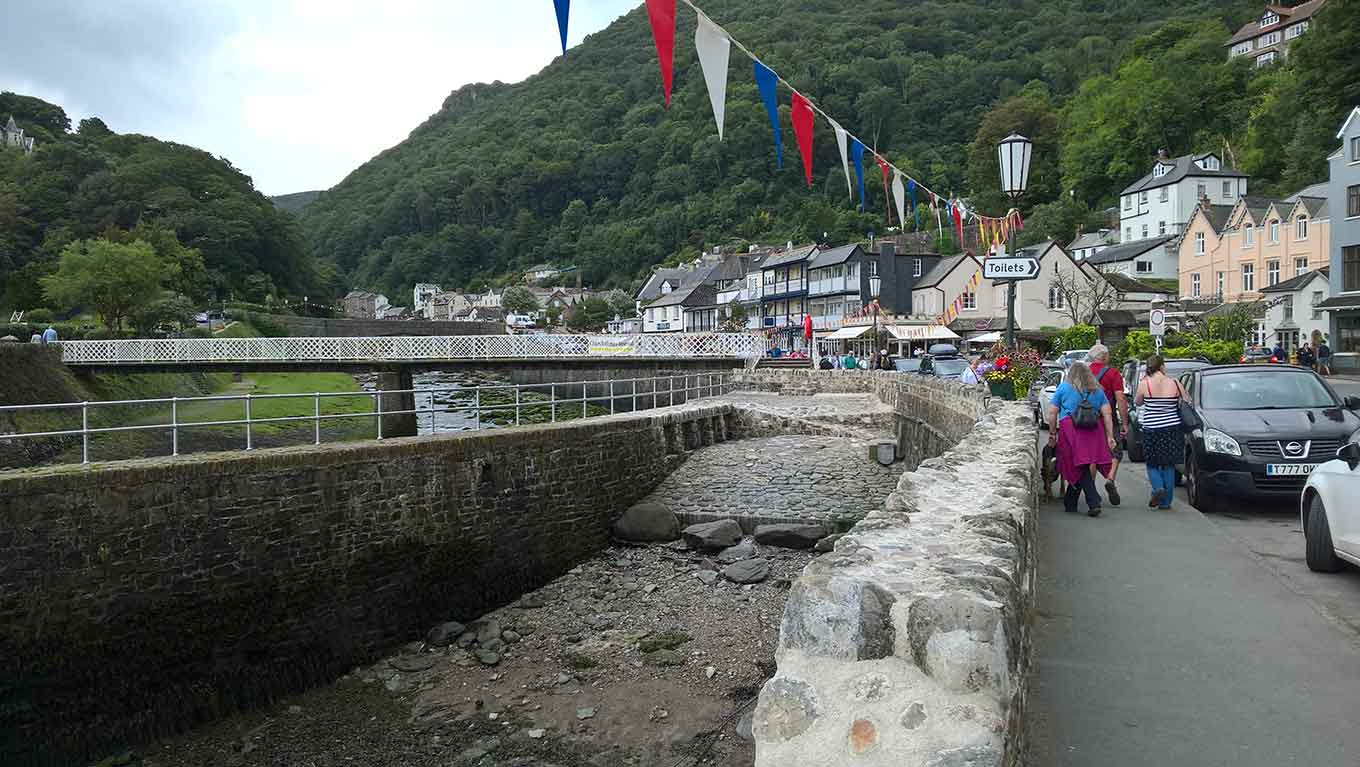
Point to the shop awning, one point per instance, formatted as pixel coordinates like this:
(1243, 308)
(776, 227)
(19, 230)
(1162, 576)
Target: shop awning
(930, 332)
(847, 333)
(986, 338)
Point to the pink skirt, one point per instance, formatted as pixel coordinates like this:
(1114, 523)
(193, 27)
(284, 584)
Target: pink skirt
(1079, 448)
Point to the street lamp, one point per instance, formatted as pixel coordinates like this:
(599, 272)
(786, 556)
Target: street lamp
(875, 284)
(1013, 152)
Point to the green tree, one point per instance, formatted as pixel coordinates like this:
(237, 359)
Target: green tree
(620, 304)
(519, 300)
(1032, 114)
(735, 317)
(111, 278)
(169, 309)
(589, 315)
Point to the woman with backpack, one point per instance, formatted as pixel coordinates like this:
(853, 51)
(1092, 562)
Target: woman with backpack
(1160, 397)
(1080, 425)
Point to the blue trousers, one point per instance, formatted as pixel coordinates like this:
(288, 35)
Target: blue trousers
(1163, 478)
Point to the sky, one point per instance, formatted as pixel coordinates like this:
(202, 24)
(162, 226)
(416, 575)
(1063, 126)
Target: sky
(295, 93)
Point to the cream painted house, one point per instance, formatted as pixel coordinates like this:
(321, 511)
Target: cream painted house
(947, 279)
(1039, 303)
(1262, 243)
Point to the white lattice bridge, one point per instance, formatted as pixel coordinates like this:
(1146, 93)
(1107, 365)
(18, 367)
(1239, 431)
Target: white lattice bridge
(162, 351)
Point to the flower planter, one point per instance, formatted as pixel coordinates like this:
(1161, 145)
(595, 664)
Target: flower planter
(1003, 389)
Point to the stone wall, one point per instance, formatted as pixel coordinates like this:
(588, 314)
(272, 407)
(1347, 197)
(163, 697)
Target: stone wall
(319, 327)
(909, 643)
(140, 597)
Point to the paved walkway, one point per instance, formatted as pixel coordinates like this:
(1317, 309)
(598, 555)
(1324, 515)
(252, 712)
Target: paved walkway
(1161, 640)
(779, 479)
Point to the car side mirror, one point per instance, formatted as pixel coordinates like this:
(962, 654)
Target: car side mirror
(1351, 403)
(1350, 453)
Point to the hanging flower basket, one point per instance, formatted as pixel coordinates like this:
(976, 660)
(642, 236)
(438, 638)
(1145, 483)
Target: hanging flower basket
(1004, 388)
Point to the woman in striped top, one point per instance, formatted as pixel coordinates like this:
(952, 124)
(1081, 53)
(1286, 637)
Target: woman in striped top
(1160, 397)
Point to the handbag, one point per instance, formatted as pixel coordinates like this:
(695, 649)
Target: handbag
(1189, 418)
(1085, 416)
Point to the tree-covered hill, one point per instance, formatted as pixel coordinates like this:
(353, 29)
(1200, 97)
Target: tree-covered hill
(583, 164)
(80, 184)
(295, 202)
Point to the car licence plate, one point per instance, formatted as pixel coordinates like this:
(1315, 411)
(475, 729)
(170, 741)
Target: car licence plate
(1289, 469)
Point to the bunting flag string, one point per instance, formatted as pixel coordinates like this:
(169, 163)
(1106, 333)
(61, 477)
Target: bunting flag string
(766, 81)
(900, 196)
(841, 142)
(562, 7)
(715, 50)
(955, 307)
(662, 15)
(857, 154)
(887, 200)
(802, 132)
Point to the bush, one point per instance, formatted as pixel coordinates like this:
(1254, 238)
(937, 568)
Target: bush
(1075, 337)
(197, 333)
(267, 327)
(39, 316)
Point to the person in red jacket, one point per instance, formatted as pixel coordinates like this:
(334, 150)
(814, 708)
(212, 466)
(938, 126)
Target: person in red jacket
(1112, 382)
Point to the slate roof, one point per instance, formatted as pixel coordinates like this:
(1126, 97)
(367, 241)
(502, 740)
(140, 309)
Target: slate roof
(734, 267)
(1182, 167)
(697, 294)
(1091, 240)
(1125, 284)
(679, 276)
(1288, 16)
(1351, 301)
(788, 257)
(1117, 318)
(939, 271)
(833, 256)
(1217, 216)
(1129, 251)
(1316, 206)
(1316, 190)
(1298, 282)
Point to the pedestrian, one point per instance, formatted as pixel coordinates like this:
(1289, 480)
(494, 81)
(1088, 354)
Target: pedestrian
(1306, 358)
(970, 374)
(1278, 355)
(884, 361)
(50, 335)
(825, 363)
(848, 362)
(1324, 357)
(36, 338)
(1112, 383)
(1160, 398)
(1082, 430)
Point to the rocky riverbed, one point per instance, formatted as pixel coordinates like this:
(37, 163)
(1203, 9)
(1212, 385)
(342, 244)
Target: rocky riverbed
(643, 655)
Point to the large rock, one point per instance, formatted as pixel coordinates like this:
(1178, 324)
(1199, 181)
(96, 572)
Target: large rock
(444, 634)
(743, 550)
(713, 535)
(790, 536)
(647, 522)
(747, 571)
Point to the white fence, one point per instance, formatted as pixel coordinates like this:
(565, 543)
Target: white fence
(412, 348)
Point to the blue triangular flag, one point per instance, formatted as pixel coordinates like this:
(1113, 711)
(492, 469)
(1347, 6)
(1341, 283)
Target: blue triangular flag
(562, 7)
(766, 80)
(911, 192)
(857, 153)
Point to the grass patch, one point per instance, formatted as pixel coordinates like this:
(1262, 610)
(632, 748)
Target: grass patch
(666, 640)
(578, 661)
(237, 330)
(261, 384)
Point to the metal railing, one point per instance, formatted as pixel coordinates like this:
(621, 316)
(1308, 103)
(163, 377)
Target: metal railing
(413, 348)
(507, 400)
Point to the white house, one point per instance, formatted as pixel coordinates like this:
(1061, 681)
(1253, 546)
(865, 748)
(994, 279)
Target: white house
(423, 293)
(689, 309)
(541, 272)
(1292, 316)
(1152, 258)
(1088, 244)
(1161, 203)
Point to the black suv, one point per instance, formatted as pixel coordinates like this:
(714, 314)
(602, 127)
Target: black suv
(1263, 429)
(943, 361)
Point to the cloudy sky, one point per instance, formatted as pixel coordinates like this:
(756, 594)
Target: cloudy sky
(296, 93)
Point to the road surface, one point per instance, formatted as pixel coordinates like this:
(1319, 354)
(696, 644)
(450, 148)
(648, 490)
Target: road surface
(1183, 640)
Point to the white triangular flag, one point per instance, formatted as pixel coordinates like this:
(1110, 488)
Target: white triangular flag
(842, 141)
(713, 46)
(900, 195)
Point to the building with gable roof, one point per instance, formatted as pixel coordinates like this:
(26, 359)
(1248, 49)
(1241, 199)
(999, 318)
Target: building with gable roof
(1262, 242)
(1160, 204)
(1266, 38)
(11, 135)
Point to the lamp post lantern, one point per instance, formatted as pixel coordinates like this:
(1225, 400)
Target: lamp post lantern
(875, 284)
(1013, 152)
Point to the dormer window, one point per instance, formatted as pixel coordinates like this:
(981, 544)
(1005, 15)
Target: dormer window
(1160, 170)
(1270, 17)
(1209, 163)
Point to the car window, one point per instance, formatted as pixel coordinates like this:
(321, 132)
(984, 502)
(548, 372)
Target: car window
(908, 365)
(1188, 384)
(1254, 391)
(949, 368)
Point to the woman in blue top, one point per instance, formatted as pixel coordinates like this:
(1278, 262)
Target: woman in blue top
(1080, 448)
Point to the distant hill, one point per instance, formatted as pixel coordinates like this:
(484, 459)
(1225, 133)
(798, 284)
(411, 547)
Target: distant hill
(295, 202)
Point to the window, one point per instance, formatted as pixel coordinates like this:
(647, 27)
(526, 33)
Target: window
(1227, 190)
(1272, 272)
(1128, 202)
(1144, 231)
(999, 297)
(916, 268)
(969, 299)
(1220, 284)
(1300, 265)
(1241, 48)
(1265, 58)
(1270, 17)
(1347, 334)
(1160, 170)
(1142, 199)
(1055, 298)
(1143, 267)
(1194, 285)
(1199, 243)
(1161, 227)
(1128, 234)
(1350, 268)
(1248, 277)
(1317, 299)
(1248, 235)
(1355, 149)
(1353, 201)
(1269, 39)
(1201, 191)
(1165, 194)
(1295, 30)
(1301, 228)
(1274, 230)
(1288, 308)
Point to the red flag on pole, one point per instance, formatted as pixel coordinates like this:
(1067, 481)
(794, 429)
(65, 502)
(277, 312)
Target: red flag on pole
(807, 326)
(802, 131)
(662, 15)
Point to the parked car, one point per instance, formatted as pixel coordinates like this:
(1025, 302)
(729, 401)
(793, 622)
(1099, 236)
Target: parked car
(1066, 359)
(948, 367)
(941, 353)
(1042, 390)
(1255, 355)
(1263, 430)
(1134, 373)
(1331, 527)
(907, 364)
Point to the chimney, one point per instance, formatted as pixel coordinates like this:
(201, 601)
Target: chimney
(788, 245)
(1162, 154)
(1204, 203)
(887, 250)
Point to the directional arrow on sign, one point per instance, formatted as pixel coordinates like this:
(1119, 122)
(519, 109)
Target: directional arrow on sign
(1010, 268)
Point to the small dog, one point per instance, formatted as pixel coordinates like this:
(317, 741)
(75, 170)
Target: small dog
(1050, 469)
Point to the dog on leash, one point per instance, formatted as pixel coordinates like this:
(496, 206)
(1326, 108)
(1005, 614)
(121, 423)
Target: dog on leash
(1050, 469)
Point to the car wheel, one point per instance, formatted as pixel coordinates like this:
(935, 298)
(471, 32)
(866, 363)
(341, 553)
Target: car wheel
(1318, 549)
(1194, 487)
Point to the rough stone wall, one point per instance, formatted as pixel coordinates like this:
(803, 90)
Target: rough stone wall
(140, 597)
(909, 643)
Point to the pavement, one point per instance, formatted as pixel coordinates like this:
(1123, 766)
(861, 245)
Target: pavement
(1179, 639)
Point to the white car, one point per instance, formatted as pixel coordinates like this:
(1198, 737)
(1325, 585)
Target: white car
(1331, 526)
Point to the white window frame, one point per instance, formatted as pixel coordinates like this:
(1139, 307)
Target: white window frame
(1272, 273)
(1165, 194)
(1274, 230)
(1128, 234)
(1128, 202)
(1269, 39)
(969, 300)
(1294, 30)
(1355, 149)
(1194, 285)
(1143, 267)
(1199, 243)
(1055, 298)
(1248, 278)
(1227, 190)
(1248, 235)
(1145, 231)
(1301, 228)
(1161, 228)
(1301, 265)
(1265, 58)
(916, 268)
(1201, 191)
(1268, 18)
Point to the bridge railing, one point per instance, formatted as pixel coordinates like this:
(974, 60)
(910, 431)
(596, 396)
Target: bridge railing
(413, 348)
(476, 407)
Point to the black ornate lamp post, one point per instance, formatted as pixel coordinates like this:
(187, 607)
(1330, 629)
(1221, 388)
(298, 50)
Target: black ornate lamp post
(1014, 154)
(875, 284)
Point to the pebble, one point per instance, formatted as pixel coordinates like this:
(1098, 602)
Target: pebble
(707, 576)
(537, 733)
(488, 658)
(710, 671)
(295, 709)
(585, 713)
(563, 678)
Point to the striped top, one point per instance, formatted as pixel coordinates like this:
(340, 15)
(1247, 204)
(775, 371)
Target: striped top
(1161, 412)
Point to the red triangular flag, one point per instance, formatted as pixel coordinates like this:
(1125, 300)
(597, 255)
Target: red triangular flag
(802, 131)
(662, 15)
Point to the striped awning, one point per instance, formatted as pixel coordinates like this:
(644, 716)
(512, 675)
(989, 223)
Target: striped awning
(847, 333)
